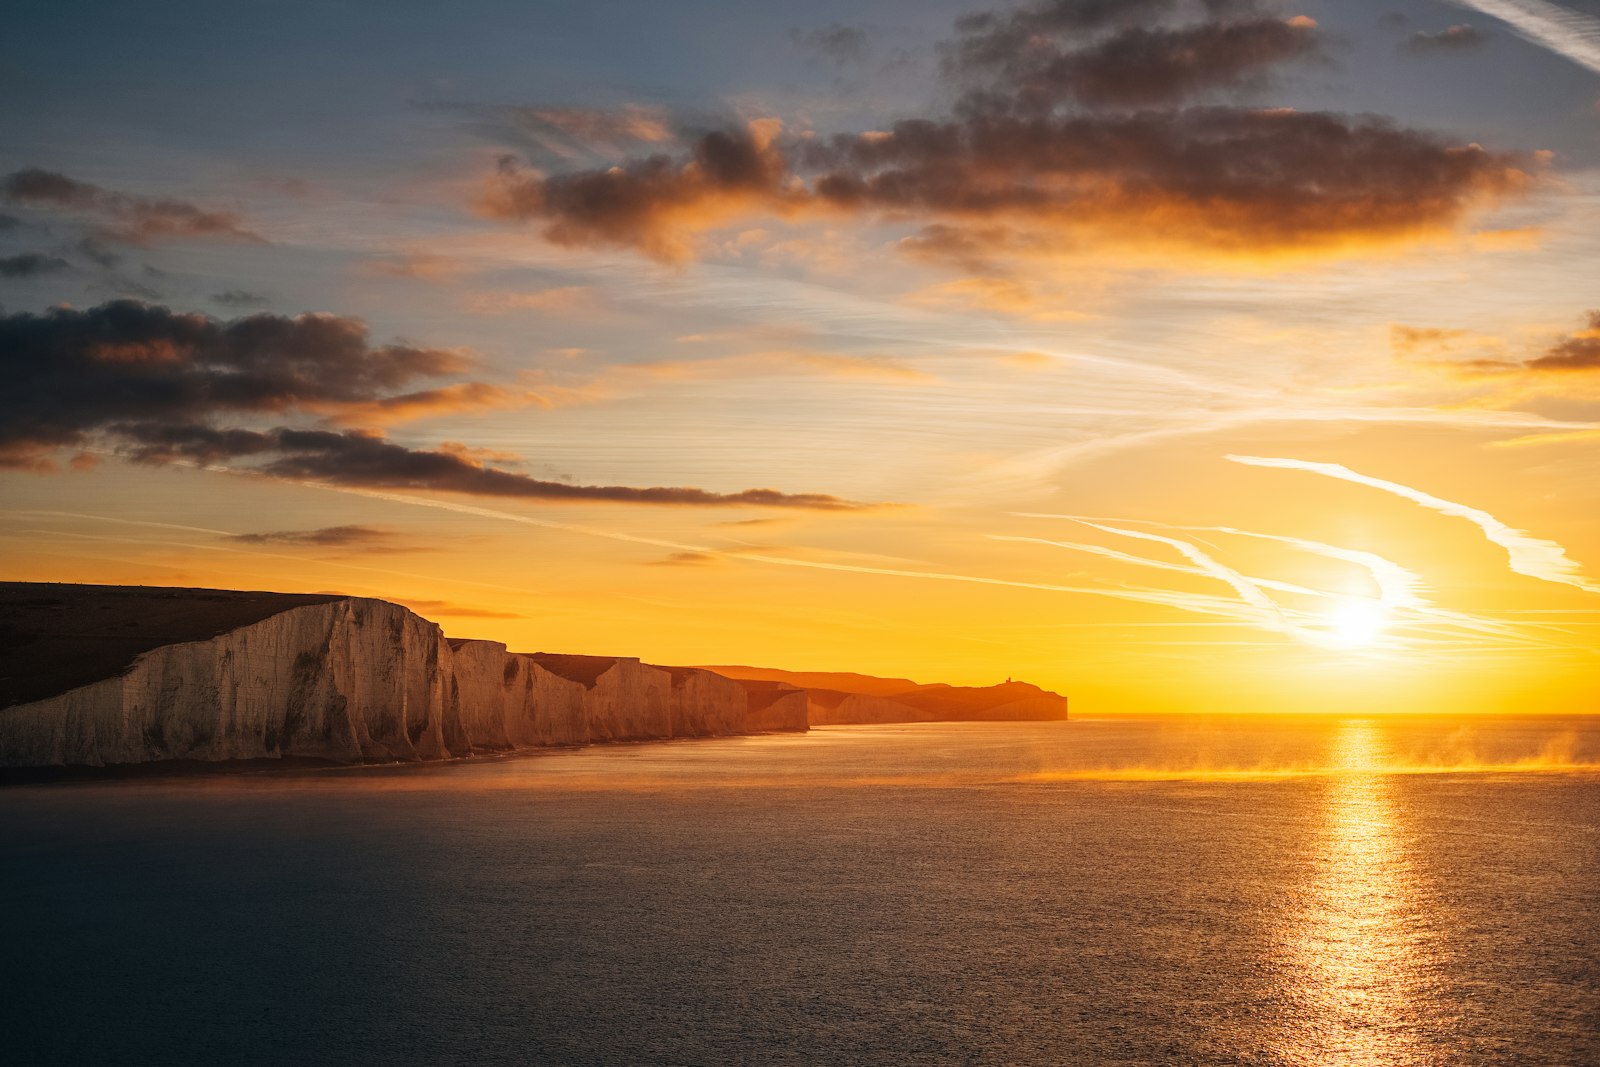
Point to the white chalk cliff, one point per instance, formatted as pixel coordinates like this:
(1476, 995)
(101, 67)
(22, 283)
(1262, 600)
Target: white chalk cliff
(344, 679)
(360, 680)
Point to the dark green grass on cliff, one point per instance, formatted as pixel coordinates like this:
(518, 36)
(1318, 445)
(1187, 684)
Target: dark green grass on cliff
(56, 637)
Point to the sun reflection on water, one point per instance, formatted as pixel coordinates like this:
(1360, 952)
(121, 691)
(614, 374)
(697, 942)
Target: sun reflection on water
(1359, 946)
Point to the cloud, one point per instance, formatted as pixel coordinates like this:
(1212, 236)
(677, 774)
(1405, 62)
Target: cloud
(368, 460)
(1192, 602)
(1529, 555)
(565, 133)
(97, 253)
(685, 559)
(1010, 296)
(561, 299)
(992, 38)
(1136, 66)
(239, 298)
(420, 266)
(1566, 33)
(1458, 352)
(446, 400)
(68, 373)
(775, 363)
(650, 203)
(1029, 162)
(768, 521)
(154, 383)
(837, 43)
(325, 537)
(31, 265)
(453, 610)
(1451, 39)
(1217, 179)
(1579, 351)
(131, 219)
(631, 122)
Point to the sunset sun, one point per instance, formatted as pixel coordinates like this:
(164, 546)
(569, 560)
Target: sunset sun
(1358, 623)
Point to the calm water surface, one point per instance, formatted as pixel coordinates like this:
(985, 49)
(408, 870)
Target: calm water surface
(1205, 891)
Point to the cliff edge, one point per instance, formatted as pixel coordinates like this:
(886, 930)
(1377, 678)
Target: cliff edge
(101, 675)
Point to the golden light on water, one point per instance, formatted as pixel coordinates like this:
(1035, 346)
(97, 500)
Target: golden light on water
(1359, 946)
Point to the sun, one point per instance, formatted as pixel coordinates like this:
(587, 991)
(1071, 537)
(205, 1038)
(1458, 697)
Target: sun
(1357, 622)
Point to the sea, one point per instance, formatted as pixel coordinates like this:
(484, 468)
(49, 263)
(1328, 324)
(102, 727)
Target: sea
(1186, 890)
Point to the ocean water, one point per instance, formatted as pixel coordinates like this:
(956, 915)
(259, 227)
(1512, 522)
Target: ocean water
(1192, 891)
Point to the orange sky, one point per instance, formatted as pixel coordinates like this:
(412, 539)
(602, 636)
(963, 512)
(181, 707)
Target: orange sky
(1185, 385)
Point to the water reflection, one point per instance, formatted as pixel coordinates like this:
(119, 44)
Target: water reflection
(1360, 947)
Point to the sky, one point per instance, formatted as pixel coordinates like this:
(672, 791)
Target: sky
(1177, 355)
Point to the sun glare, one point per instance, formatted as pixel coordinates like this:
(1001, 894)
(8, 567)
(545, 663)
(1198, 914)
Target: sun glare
(1357, 623)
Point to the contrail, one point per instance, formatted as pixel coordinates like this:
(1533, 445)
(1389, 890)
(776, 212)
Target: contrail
(1248, 591)
(1144, 561)
(1564, 32)
(1254, 604)
(1199, 604)
(1399, 589)
(1529, 555)
(1397, 586)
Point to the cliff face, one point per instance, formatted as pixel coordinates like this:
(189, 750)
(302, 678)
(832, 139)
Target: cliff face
(141, 675)
(623, 699)
(347, 680)
(773, 706)
(826, 707)
(504, 701)
(705, 704)
(840, 698)
(354, 680)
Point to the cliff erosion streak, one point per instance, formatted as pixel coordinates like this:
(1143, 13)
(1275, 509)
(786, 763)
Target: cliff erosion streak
(102, 675)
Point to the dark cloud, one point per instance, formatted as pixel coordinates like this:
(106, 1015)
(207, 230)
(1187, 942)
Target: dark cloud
(1453, 39)
(645, 202)
(1578, 351)
(154, 384)
(837, 44)
(1140, 66)
(367, 460)
(67, 373)
(1132, 53)
(132, 219)
(97, 253)
(1477, 355)
(684, 559)
(8, 222)
(993, 39)
(1214, 178)
(326, 537)
(31, 265)
(238, 298)
(1031, 160)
